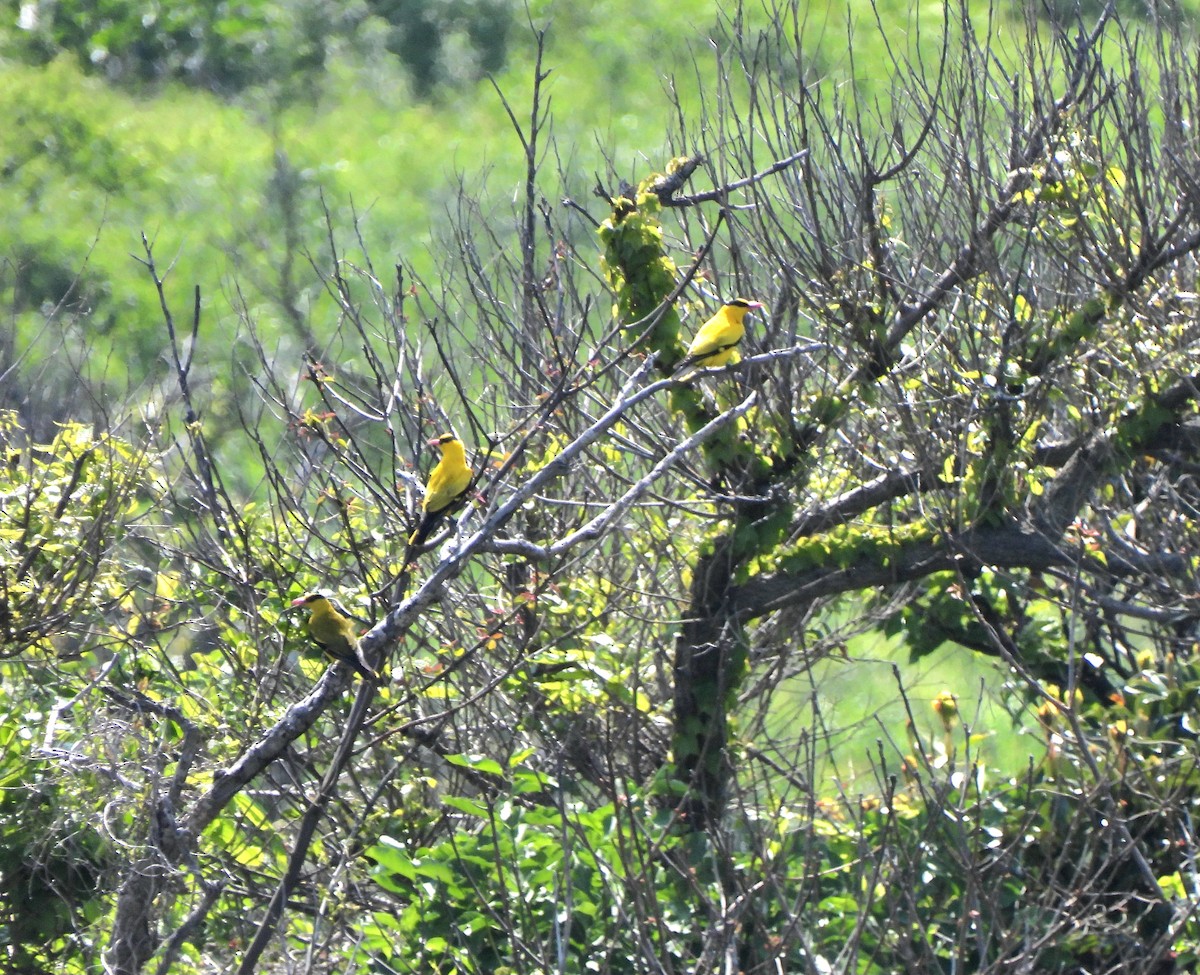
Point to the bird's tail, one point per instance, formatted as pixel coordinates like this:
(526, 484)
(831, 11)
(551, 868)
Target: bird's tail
(361, 668)
(421, 534)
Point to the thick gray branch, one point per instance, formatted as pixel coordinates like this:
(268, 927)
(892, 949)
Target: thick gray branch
(1007, 548)
(296, 720)
(847, 506)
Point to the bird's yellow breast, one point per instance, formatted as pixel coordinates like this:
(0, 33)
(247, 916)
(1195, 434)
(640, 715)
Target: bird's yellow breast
(329, 628)
(719, 335)
(449, 479)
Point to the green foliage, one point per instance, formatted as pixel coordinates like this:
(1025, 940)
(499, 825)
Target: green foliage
(448, 41)
(51, 864)
(1063, 333)
(280, 45)
(519, 876)
(641, 273)
(84, 177)
(1072, 190)
(523, 878)
(224, 47)
(1141, 426)
(844, 546)
(944, 612)
(64, 505)
(827, 410)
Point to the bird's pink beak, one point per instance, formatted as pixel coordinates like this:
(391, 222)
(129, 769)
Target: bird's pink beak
(755, 304)
(435, 442)
(299, 601)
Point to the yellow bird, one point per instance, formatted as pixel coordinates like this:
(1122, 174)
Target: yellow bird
(446, 488)
(716, 342)
(331, 627)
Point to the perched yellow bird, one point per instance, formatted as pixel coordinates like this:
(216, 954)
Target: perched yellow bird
(718, 338)
(446, 488)
(331, 627)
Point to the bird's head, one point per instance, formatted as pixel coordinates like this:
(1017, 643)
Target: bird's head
(743, 304)
(323, 601)
(314, 597)
(440, 442)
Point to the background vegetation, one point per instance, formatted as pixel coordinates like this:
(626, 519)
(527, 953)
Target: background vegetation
(876, 652)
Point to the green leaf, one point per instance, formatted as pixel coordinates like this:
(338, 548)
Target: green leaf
(478, 763)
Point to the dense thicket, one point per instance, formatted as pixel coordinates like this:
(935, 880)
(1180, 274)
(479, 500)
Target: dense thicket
(965, 419)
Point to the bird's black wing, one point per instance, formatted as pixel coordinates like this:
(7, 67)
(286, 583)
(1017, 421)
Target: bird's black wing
(694, 361)
(360, 668)
(432, 519)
